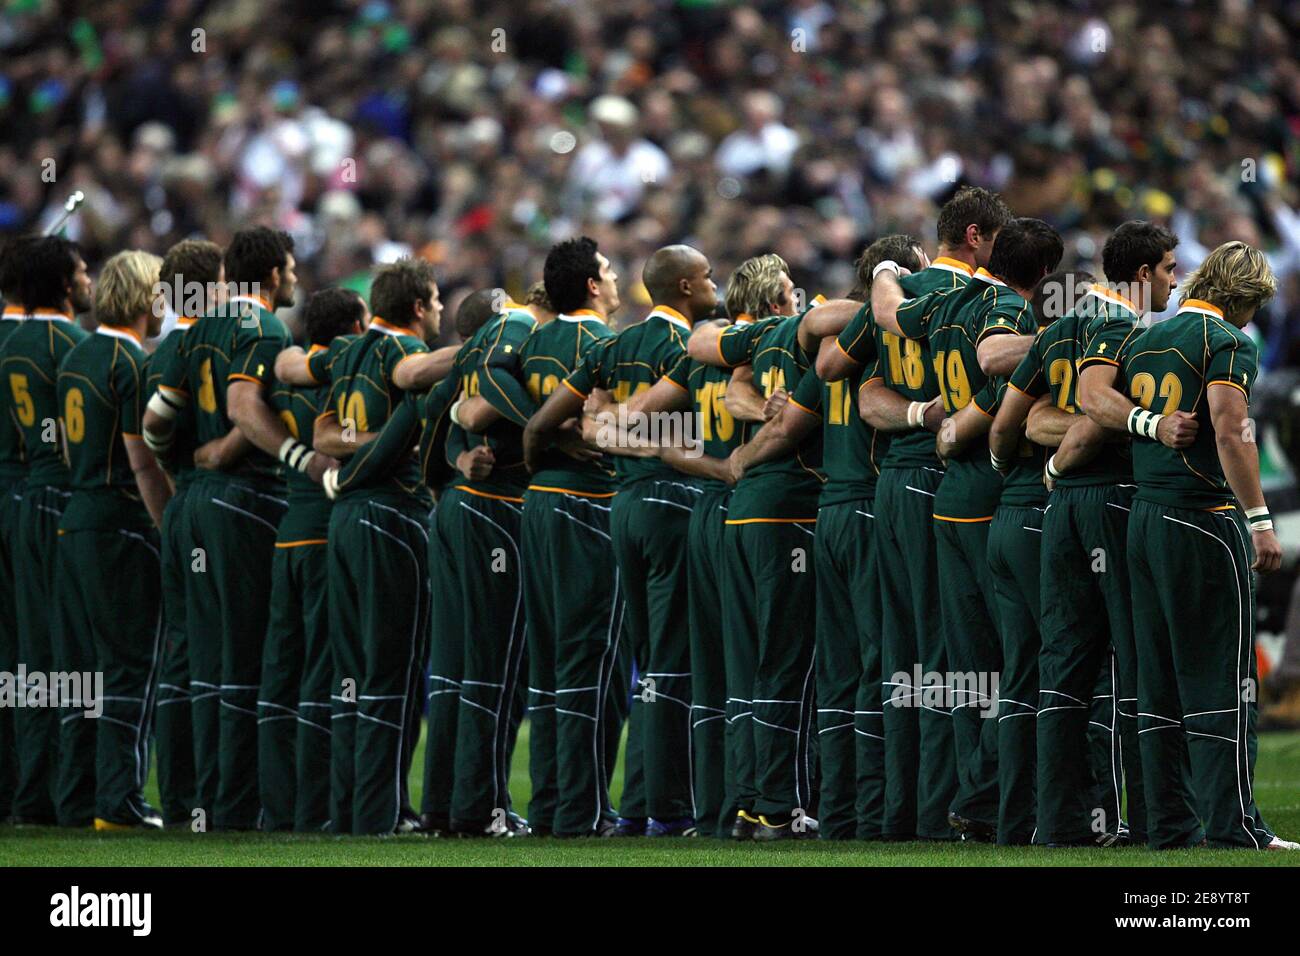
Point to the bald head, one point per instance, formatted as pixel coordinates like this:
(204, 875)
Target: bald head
(680, 277)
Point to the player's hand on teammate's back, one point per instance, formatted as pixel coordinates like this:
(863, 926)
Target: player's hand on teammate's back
(1268, 551)
(476, 463)
(320, 464)
(775, 402)
(1177, 429)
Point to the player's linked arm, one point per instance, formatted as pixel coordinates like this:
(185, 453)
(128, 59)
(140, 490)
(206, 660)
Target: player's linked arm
(564, 403)
(961, 428)
(886, 296)
(423, 370)
(1079, 445)
(703, 343)
(150, 479)
(500, 386)
(291, 367)
(331, 437)
(829, 318)
(1047, 424)
(222, 454)
(998, 355)
(1109, 408)
(743, 399)
(777, 438)
(251, 414)
(1004, 433)
(885, 410)
(833, 363)
(381, 451)
(1234, 438)
(695, 465)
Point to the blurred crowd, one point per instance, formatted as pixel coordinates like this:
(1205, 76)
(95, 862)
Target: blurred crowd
(478, 133)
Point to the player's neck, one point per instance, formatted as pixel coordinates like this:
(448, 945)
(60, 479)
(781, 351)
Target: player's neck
(962, 254)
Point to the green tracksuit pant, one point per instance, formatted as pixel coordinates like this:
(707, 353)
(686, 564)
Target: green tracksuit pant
(1013, 560)
(483, 534)
(577, 686)
(228, 590)
(974, 650)
(112, 586)
(379, 601)
(293, 705)
(772, 583)
(10, 496)
(1086, 613)
(649, 522)
(446, 663)
(52, 785)
(173, 729)
(1193, 619)
(705, 556)
(850, 738)
(920, 772)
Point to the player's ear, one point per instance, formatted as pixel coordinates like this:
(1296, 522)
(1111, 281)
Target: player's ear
(972, 235)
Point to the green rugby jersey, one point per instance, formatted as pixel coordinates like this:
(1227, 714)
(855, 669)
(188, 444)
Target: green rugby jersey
(787, 488)
(29, 369)
(236, 342)
(13, 460)
(1171, 367)
(307, 519)
(954, 322)
(489, 365)
(102, 398)
(629, 363)
(717, 430)
(1091, 333)
(851, 449)
(1023, 485)
(904, 364)
(179, 460)
(547, 358)
(362, 393)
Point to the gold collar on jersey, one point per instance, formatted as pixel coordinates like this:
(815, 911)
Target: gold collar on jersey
(952, 265)
(1201, 306)
(1110, 295)
(670, 315)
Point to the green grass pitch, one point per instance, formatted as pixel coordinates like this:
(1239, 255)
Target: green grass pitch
(1277, 789)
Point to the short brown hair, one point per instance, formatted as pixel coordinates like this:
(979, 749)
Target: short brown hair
(398, 286)
(971, 204)
(190, 260)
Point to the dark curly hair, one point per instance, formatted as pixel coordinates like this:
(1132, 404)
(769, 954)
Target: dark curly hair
(331, 313)
(253, 253)
(1131, 246)
(569, 265)
(47, 271)
(1025, 251)
(12, 258)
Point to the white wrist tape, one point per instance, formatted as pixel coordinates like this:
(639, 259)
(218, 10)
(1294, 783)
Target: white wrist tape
(1259, 518)
(454, 414)
(1051, 469)
(295, 454)
(1143, 423)
(330, 482)
(889, 264)
(158, 444)
(164, 407)
(1000, 465)
(916, 414)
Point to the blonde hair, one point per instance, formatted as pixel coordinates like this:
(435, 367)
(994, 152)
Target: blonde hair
(1235, 277)
(755, 285)
(125, 289)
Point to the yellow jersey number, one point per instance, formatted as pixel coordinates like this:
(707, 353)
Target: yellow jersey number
(207, 391)
(1060, 374)
(838, 411)
(23, 403)
(715, 419)
(352, 410)
(539, 386)
(954, 384)
(74, 416)
(1143, 390)
(903, 357)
